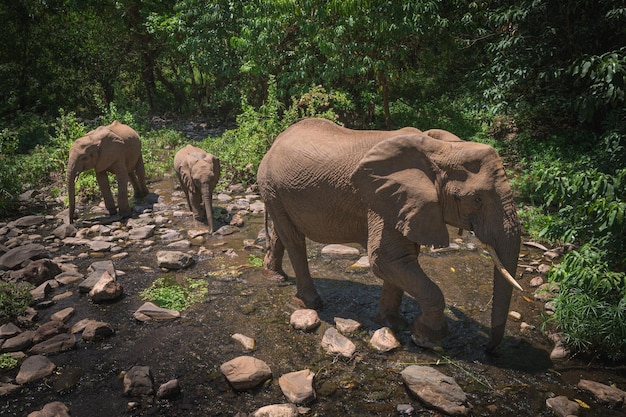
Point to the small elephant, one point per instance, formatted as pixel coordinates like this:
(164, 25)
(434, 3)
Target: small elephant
(198, 173)
(115, 148)
(390, 191)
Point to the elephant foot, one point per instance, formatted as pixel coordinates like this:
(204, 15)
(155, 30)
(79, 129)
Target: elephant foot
(273, 275)
(314, 303)
(125, 214)
(393, 320)
(427, 337)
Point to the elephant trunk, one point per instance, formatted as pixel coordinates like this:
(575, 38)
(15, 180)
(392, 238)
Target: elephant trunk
(505, 256)
(207, 199)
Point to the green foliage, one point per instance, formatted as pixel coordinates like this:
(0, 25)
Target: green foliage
(241, 149)
(167, 292)
(255, 261)
(14, 299)
(590, 308)
(7, 361)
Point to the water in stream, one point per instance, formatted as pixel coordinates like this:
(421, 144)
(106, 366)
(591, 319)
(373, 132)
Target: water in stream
(516, 382)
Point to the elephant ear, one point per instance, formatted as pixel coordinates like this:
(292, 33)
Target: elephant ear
(185, 173)
(397, 180)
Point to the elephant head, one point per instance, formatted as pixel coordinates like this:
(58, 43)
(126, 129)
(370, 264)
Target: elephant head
(84, 155)
(419, 184)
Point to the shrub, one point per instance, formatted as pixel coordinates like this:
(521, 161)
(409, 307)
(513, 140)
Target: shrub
(14, 299)
(169, 293)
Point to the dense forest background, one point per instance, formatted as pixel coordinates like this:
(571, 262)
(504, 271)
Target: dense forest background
(542, 81)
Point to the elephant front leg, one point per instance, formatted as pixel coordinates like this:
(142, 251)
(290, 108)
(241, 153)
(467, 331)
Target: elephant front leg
(122, 195)
(105, 189)
(389, 307)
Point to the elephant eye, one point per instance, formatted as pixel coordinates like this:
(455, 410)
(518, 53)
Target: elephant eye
(478, 200)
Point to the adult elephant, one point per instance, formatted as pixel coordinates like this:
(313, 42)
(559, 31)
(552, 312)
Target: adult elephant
(198, 173)
(390, 191)
(115, 148)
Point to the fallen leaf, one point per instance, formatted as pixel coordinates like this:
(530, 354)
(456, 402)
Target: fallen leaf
(581, 403)
(527, 299)
(452, 269)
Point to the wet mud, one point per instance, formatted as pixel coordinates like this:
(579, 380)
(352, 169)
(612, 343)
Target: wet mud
(515, 382)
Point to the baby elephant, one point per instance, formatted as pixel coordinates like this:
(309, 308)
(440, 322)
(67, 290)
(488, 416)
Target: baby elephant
(198, 173)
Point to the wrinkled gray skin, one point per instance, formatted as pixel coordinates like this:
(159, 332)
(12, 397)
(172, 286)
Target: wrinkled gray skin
(115, 148)
(390, 191)
(198, 173)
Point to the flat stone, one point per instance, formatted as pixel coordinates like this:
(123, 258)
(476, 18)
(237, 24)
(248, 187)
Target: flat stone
(563, 406)
(100, 246)
(138, 381)
(226, 230)
(383, 340)
(304, 319)
(53, 409)
(336, 344)
(22, 341)
(69, 277)
(150, 311)
(14, 257)
(340, 251)
(49, 329)
(171, 389)
(28, 221)
(59, 343)
(298, 386)
(97, 330)
(247, 342)
(245, 372)
(34, 368)
(40, 271)
(141, 233)
(361, 265)
(7, 389)
(276, 410)
(63, 315)
(435, 389)
(9, 330)
(65, 230)
(346, 326)
(606, 394)
(174, 259)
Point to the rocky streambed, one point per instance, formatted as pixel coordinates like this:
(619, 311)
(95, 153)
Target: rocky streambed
(91, 346)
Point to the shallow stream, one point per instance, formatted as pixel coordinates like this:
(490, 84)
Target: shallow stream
(516, 382)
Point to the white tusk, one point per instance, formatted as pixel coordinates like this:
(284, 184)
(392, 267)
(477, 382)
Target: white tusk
(498, 263)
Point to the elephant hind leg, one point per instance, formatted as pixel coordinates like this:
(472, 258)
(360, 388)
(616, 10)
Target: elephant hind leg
(140, 174)
(273, 262)
(295, 244)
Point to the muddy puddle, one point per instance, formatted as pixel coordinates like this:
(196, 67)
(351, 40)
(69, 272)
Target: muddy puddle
(516, 382)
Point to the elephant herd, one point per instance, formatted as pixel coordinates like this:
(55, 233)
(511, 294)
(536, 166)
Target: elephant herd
(389, 191)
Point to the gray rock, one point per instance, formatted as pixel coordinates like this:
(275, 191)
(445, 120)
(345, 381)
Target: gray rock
(16, 256)
(298, 386)
(276, 410)
(383, 340)
(34, 368)
(563, 406)
(257, 207)
(59, 343)
(247, 342)
(41, 292)
(304, 319)
(336, 344)
(63, 315)
(606, 394)
(436, 389)
(53, 409)
(7, 389)
(174, 259)
(226, 230)
(138, 381)
(362, 264)
(245, 372)
(100, 245)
